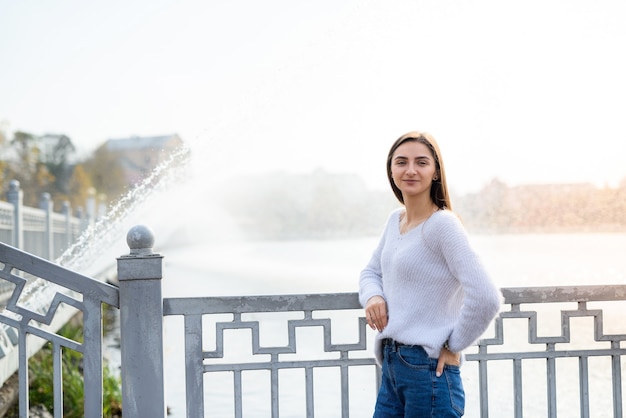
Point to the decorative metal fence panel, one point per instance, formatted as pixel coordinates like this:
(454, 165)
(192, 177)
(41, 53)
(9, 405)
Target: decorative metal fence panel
(39, 231)
(206, 351)
(65, 231)
(6, 222)
(35, 312)
(558, 343)
(35, 227)
(246, 313)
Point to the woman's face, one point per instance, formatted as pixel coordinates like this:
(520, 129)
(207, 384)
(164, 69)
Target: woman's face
(413, 168)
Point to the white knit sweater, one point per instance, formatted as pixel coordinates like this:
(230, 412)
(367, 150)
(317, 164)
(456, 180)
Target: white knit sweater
(435, 286)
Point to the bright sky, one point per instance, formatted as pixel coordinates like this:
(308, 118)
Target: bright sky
(530, 91)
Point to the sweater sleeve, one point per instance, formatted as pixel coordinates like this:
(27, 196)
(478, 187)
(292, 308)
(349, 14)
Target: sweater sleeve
(481, 298)
(371, 282)
(371, 279)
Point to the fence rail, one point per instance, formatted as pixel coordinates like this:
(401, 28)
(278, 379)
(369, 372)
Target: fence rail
(271, 356)
(34, 314)
(39, 231)
(580, 296)
(211, 349)
(43, 233)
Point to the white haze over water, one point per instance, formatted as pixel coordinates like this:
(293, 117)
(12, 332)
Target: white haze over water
(528, 92)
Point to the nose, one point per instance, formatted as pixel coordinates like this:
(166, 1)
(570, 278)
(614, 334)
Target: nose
(411, 169)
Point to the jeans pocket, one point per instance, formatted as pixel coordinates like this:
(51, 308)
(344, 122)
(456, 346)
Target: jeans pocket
(455, 388)
(414, 357)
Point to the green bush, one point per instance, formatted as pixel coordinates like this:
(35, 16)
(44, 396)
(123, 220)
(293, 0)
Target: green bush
(41, 379)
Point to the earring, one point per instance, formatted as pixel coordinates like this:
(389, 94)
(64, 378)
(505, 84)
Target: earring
(435, 178)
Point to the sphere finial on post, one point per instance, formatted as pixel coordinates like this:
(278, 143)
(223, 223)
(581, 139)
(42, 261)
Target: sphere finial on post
(140, 240)
(14, 185)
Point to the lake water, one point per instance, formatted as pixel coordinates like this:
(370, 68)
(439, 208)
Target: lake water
(288, 267)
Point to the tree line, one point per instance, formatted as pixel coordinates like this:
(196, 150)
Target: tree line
(48, 164)
(327, 205)
(312, 205)
(538, 208)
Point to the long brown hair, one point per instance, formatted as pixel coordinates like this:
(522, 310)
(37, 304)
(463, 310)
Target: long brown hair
(439, 188)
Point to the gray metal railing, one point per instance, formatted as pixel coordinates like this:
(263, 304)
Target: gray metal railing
(210, 349)
(39, 231)
(35, 311)
(549, 347)
(201, 361)
(270, 357)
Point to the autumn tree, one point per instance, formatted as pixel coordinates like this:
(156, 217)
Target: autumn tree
(106, 173)
(41, 164)
(57, 161)
(25, 147)
(28, 168)
(78, 187)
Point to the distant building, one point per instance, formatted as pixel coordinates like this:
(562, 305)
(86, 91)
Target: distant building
(140, 155)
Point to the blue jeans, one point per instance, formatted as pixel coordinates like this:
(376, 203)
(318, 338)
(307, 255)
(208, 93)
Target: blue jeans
(410, 389)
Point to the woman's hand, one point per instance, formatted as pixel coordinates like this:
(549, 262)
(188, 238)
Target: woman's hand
(447, 357)
(376, 313)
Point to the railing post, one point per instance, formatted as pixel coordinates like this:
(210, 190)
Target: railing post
(141, 327)
(102, 205)
(84, 219)
(46, 204)
(90, 206)
(15, 196)
(67, 211)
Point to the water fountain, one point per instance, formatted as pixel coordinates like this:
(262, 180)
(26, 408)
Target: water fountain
(93, 255)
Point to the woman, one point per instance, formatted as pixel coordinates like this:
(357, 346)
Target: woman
(424, 290)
